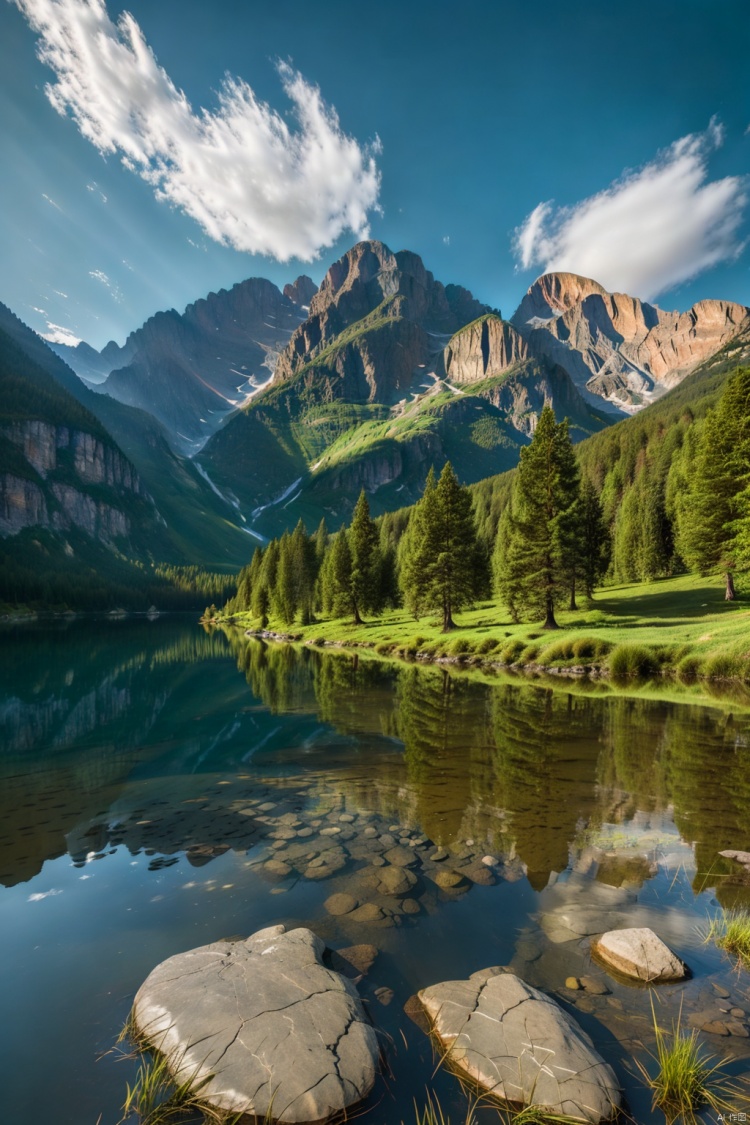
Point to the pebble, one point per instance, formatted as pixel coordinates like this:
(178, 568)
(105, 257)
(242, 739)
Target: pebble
(721, 990)
(332, 831)
(384, 995)
(346, 818)
(572, 983)
(367, 912)
(714, 1027)
(369, 832)
(490, 860)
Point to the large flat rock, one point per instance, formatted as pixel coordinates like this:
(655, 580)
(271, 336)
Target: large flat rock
(519, 1045)
(638, 954)
(273, 1027)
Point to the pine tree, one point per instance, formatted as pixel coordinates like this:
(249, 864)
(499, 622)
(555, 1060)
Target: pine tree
(594, 540)
(439, 565)
(261, 593)
(540, 546)
(283, 593)
(336, 578)
(569, 519)
(711, 530)
(417, 548)
(366, 562)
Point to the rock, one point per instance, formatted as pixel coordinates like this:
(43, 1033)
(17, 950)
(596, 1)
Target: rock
(480, 874)
(384, 995)
(347, 818)
(354, 961)
(367, 912)
(734, 1027)
(340, 904)
(448, 880)
(370, 832)
(638, 954)
(715, 1027)
(305, 1047)
(721, 990)
(400, 857)
(438, 855)
(276, 868)
(390, 880)
(520, 1046)
(572, 983)
(593, 986)
(739, 857)
(490, 860)
(410, 906)
(738, 1013)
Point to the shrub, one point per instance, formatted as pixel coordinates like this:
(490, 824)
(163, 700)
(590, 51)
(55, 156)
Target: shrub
(722, 667)
(512, 651)
(590, 648)
(489, 644)
(529, 654)
(460, 646)
(633, 660)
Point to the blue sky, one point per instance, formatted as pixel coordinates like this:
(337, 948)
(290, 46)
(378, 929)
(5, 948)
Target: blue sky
(495, 139)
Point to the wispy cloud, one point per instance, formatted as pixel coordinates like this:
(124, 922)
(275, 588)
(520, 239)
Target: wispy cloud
(648, 231)
(58, 334)
(103, 279)
(52, 203)
(241, 172)
(94, 187)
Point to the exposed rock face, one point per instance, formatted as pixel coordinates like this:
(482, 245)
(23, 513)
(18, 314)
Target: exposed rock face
(483, 349)
(623, 350)
(367, 277)
(40, 500)
(517, 1044)
(190, 369)
(272, 1026)
(301, 291)
(640, 954)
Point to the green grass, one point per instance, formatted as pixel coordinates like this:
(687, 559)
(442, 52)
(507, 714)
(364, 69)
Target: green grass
(731, 932)
(678, 625)
(432, 1113)
(686, 1078)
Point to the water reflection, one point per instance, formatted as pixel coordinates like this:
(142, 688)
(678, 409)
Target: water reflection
(103, 744)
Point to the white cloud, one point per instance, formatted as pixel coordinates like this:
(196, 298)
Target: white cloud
(447, 239)
(103, 279)
(52, 203)
(249, 180)
(648, 231)
(57, 334)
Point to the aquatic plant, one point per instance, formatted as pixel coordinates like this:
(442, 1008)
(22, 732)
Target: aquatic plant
(730, 930)
(686, 1078)
(433, 1113)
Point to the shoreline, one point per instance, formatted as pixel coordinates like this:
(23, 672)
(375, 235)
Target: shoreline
(594, 672)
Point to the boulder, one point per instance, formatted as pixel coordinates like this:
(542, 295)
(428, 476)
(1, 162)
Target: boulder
(269, 1026)
(519, 1045)
(638, 954)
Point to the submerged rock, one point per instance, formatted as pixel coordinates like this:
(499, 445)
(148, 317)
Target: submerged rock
(639, 954)
(520, 1046)
(267, 1021)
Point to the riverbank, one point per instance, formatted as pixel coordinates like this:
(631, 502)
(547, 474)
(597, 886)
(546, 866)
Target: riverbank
(679, 626)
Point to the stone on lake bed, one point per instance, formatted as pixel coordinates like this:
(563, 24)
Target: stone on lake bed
(448, 880)
(266, 1023)
(638, 954)
(340, 904)
(400, 857)
(521, 1047)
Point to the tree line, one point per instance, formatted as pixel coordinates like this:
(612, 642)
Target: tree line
(550, 542)
(557, 527)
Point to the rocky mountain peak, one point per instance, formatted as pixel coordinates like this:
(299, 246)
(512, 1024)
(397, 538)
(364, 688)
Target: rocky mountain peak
(301, 291)
(553, 294)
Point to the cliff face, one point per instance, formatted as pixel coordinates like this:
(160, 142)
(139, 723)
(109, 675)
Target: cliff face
(616, 348)
(51, 485)
(483, 349)
(369, 280)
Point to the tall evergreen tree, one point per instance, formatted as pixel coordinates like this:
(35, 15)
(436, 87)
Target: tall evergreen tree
(439, 562)
(545, 496)
(336, 577)
(417, 548)
(594, 540)
(261, 593)
(711, 527)
(364, 546)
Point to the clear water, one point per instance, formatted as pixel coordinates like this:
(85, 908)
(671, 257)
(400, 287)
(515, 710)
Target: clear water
(135, 759)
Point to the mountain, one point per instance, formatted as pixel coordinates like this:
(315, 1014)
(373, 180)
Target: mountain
(619, 351)
(59, 468)
(390, 372)
(190, 369)
(197, 525)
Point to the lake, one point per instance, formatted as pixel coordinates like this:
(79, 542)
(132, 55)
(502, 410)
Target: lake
(164, 787)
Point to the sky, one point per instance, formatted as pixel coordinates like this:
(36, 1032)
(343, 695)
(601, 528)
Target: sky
(156, 153)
